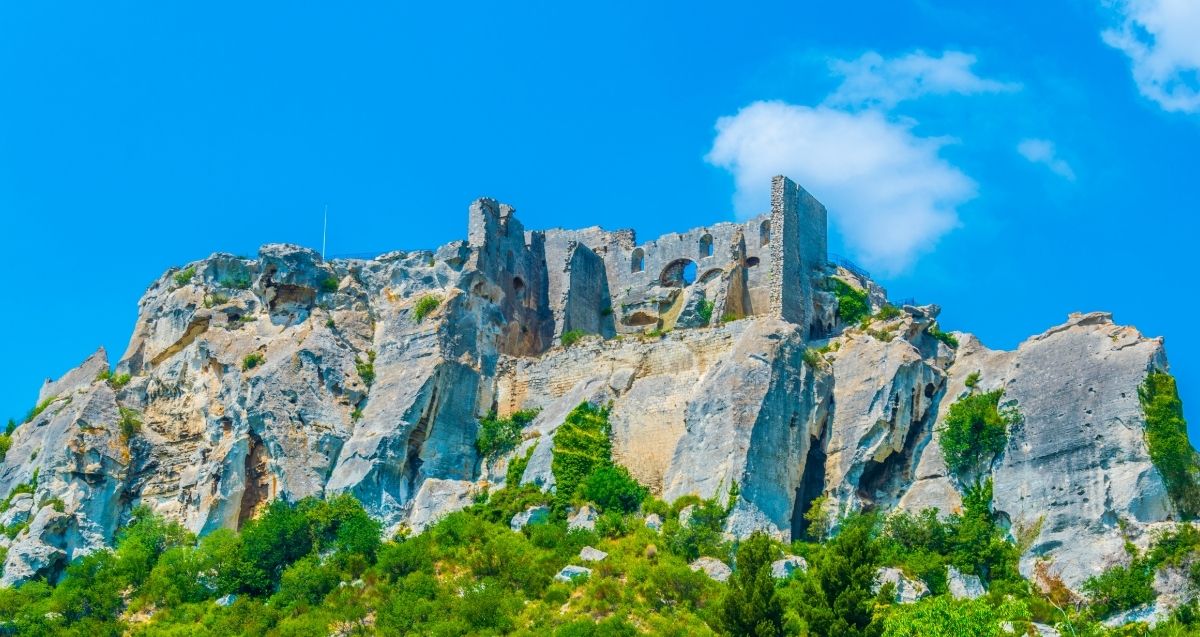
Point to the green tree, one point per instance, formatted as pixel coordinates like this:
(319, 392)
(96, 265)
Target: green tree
(943, 616)
(834, 598)
(975, 431)
(1166, 436)
(612, 487)
(751, 606)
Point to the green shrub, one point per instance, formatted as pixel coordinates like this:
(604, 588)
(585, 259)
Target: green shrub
(814, 357)
(570, 337)
(944, 616)
(235, 280)
(944, 337)
(117, 381)
(330, 284)
(1121, 588)
(853, 305)
(751, 605)
(184, 276)
(705, 311)
(516, 468)
(10, 427)
(1167, 439)
(130, 423)
(974, 431)
(581, 445)
(252, 360)
(499, 435)
(5, 445)
(215, 299)
(366, 369)
(973, 379)
(39, 408)
(612, 487)
(424, 306)
(888, 312)
(330, 324)
(55, 503)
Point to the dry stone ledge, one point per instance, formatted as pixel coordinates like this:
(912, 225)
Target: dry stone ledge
(908, 590)
(713, 568)
(571, 572)
(532, 515)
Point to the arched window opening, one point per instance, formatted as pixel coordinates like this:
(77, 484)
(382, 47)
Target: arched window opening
(518, 287)
(752, 262)
(638, 262)
(764, 233)
(678, 273)
(706, 248)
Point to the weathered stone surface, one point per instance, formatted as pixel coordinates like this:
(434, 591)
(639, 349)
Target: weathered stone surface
(532, 515)
(963, 586)
(654, 522)
(907, 590)
(785, 566)
(589, 554)
(286, 376)
(712, 567)
(584, 519)
(571, 572)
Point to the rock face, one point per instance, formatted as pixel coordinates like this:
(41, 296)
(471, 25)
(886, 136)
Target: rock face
(718, 350)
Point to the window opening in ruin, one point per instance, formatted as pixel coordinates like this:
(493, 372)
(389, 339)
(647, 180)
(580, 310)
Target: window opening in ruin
(638, 262)
(752, 262)
(706, 247)
(518, 286)
(678, 273)
(764, 233)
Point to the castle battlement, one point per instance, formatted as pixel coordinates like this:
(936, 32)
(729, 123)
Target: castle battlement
(605, 282)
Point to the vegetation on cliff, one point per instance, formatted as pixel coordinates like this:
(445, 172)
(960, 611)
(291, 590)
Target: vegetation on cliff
(1167, 439)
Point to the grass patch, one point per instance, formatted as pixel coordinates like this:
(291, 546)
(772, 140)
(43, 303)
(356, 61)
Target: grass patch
(366, 369)
(252, 360)
(499, 435)
(184, 276)
(944, 337)
(235, 281)
(853, 304)
(424, 306)
(130, 424)
(39, 408)
(330, 284)
(571, 337)
(1166, 436)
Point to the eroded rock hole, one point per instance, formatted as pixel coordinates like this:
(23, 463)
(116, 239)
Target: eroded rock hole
(812, 485)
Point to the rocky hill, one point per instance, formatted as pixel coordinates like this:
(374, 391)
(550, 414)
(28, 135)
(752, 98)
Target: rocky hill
(737, 363)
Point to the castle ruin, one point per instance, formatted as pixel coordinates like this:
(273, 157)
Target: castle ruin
(603, 282)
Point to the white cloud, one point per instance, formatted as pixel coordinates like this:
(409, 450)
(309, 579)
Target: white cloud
(873, 80)
(1162, 40)
(1042, 151)
(888, 191)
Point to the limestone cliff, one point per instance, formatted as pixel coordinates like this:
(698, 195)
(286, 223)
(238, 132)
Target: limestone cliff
(720, 351)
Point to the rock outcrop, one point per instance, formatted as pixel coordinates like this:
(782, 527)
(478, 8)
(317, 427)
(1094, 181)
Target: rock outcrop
(719, 353)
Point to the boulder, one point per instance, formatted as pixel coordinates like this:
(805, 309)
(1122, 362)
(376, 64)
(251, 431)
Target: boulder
(712, 567)
(783, 568)
(570, 573)
(589, 554)
(907, 590)
(963, 586)
(654, 522)
(532, 515)
(583, 519)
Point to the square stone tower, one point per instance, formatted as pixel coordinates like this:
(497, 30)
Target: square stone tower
(798, 226)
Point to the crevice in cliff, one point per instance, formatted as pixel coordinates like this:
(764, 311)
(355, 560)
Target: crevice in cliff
(418, 436)
(812, 484)
(197, 327)
(258, 481)
(896, 470)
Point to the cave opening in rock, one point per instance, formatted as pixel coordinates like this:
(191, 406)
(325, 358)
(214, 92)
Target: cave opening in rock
(812, 485)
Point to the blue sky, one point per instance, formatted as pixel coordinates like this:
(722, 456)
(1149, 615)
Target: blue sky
(1011, 163)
